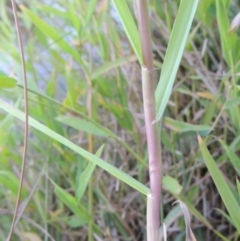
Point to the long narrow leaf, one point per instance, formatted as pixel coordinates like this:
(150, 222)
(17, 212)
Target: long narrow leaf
(111, 65)
(81, 125)
(129, 27)
(221, 184)
(91, 8)
(98, 161)
(52, 33)
(181, 127)
(174, 53)
(238, 187)
(235, 160)
(228, 41)
(79, 209)
(85, 176)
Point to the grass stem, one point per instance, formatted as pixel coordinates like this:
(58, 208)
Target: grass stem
(152, 130)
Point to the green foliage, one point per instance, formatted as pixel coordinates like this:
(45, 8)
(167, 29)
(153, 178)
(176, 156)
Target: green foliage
(230, 44)
(94, 159)
(129, 27)
(182, 127)
(174, 53)
(84, 87)
(6, 82)
(81, 125)
(77, 209)
(85, 176)
(51, 33)
(222, 186)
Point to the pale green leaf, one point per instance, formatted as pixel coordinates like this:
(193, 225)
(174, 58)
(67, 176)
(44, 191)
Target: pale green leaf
(174, 53)
(238, 187)
(91, 7)
(81, 125)
(7, 82)
(51, 32)
(235, 160)
(75, 222)
(5, 125)
(109, 66)
(221, 184)
(85, 176)
(181, 127)
(170, 184)
(129, 27)
(98, 161)
(228, 40)
(11, 182)
(77, 209)
(232, 103)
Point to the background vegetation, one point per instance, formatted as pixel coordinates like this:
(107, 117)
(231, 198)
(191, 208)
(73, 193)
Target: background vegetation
(84, 84)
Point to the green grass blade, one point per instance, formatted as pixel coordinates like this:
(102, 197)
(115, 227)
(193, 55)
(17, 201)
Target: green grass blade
(181, 127)
(7, 82)
(170, 184)
(85, 176)
(222, 186)
(5, 125)
(77, 209)
(98, 161)
(106, 67)
(174, 53)
(11, 182)
(232, 103)
(81, 114)
(129, 27)
(238, 187)
(52, 33)
(232, 156)
(228, 40)
(81, 125)
(226, 216)
(91, 8)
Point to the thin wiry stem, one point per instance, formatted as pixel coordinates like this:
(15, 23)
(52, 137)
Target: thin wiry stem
(26, 121)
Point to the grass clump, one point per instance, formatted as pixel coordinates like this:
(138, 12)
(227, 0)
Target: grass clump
(84, 84)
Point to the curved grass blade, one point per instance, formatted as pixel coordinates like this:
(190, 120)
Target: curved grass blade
(222, 186)
(174, 53)
(98, 161)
